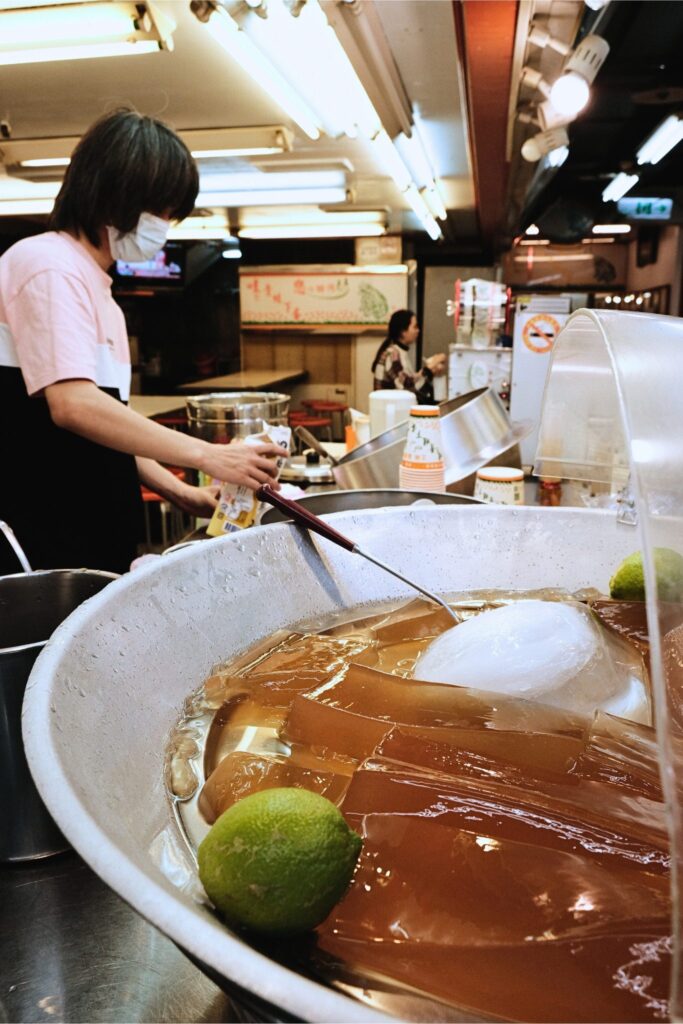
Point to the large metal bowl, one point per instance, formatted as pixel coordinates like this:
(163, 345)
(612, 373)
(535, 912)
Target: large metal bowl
(475, 429)
(110, 685)
(329, 502)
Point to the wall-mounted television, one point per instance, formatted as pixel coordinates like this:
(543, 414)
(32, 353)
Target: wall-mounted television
(165, 270)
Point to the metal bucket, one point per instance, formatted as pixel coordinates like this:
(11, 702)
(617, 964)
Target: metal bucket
(346, 501)
(165, 627)
(220, 417)
(32, 605)
(475, 429)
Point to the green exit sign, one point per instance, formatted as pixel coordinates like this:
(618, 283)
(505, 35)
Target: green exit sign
(639, 208)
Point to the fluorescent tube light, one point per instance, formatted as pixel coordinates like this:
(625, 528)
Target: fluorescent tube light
(420, 207)
(258, 180)
(300, 216)
(48, 161)
(207, 154)
(611, 229)
(262, 140)
(388, 156)
(619, 186)
(271, 197)
(314, 231)
(16, 207)
(239, 46)
(212, 226)
(308, 53)
(76, 31)
(434, 201)
(662, 140)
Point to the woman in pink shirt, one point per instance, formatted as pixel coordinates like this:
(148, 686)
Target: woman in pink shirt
(73, 453)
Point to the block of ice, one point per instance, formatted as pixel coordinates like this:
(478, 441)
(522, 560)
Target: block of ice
(553, 652)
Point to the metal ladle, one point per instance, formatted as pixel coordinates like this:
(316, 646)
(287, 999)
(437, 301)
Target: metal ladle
(303, 517)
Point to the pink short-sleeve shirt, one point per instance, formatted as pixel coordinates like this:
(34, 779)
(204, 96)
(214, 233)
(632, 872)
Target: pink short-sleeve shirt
(58, 320)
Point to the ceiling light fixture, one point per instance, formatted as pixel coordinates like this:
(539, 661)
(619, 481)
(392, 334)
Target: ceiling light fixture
(271, 197)
(533, 229)
(611, 229)
(390, 158)
(413, 150)
(662, 140)
(206, 143)
(314, 231)
(72, 31)
(258, 188)
(341, 103)
(48, 161)
(553, 141)
(239, 46)
(540, 36)
(535, 80)
(211, 226)
(19, 207)
(619, 186)
(571, 92)
(254, 218)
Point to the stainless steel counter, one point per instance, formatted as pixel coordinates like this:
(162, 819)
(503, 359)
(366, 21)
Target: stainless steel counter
(71, 950)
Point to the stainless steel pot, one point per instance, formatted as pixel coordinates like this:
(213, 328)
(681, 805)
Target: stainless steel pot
(222, 416)
(32, 605)
(329, 502)
(475, 429)
(139, 648)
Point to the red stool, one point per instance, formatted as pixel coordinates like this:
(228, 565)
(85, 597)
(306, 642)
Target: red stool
(169, 514)
(335, 410)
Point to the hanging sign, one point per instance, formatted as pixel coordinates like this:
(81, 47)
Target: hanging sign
(539, 332)
(310, 299)
(637, 208)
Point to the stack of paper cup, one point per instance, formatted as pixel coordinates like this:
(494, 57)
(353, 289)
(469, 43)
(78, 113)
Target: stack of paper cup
(422, 466)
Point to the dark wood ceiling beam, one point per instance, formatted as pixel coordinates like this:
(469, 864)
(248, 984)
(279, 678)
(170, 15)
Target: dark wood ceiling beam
(486, 36)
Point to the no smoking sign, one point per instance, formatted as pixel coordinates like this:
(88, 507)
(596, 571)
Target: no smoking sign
(540, 331)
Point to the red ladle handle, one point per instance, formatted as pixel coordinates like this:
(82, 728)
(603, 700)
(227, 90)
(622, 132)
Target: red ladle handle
(303, 517)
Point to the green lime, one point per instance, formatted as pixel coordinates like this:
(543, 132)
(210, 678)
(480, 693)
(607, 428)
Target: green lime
(278, 861)
(628, 582)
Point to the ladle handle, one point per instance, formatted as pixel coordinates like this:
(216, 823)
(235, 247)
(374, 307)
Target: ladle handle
(312, 441)
(303, 517)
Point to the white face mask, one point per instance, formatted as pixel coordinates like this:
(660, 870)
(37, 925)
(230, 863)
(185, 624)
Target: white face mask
(142, 243)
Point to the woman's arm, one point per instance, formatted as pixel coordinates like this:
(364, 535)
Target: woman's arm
(81, 407)
(196, 501)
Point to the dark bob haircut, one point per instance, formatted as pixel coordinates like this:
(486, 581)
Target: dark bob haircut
(126, 164)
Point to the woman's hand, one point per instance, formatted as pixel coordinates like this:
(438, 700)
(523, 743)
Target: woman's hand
(437, 364)
(239, 463)
(197, 501)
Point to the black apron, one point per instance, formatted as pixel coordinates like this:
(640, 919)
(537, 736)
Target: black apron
(71, 503)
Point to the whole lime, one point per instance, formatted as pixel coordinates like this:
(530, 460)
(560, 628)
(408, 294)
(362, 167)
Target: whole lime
(628, 582)
(277, 861)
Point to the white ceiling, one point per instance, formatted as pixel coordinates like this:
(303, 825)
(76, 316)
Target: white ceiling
(198, 86)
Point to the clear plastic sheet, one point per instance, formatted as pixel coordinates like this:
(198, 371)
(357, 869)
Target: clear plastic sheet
(613, 413)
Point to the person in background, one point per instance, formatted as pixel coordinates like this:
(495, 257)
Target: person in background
(392, 367)
(73, 453)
